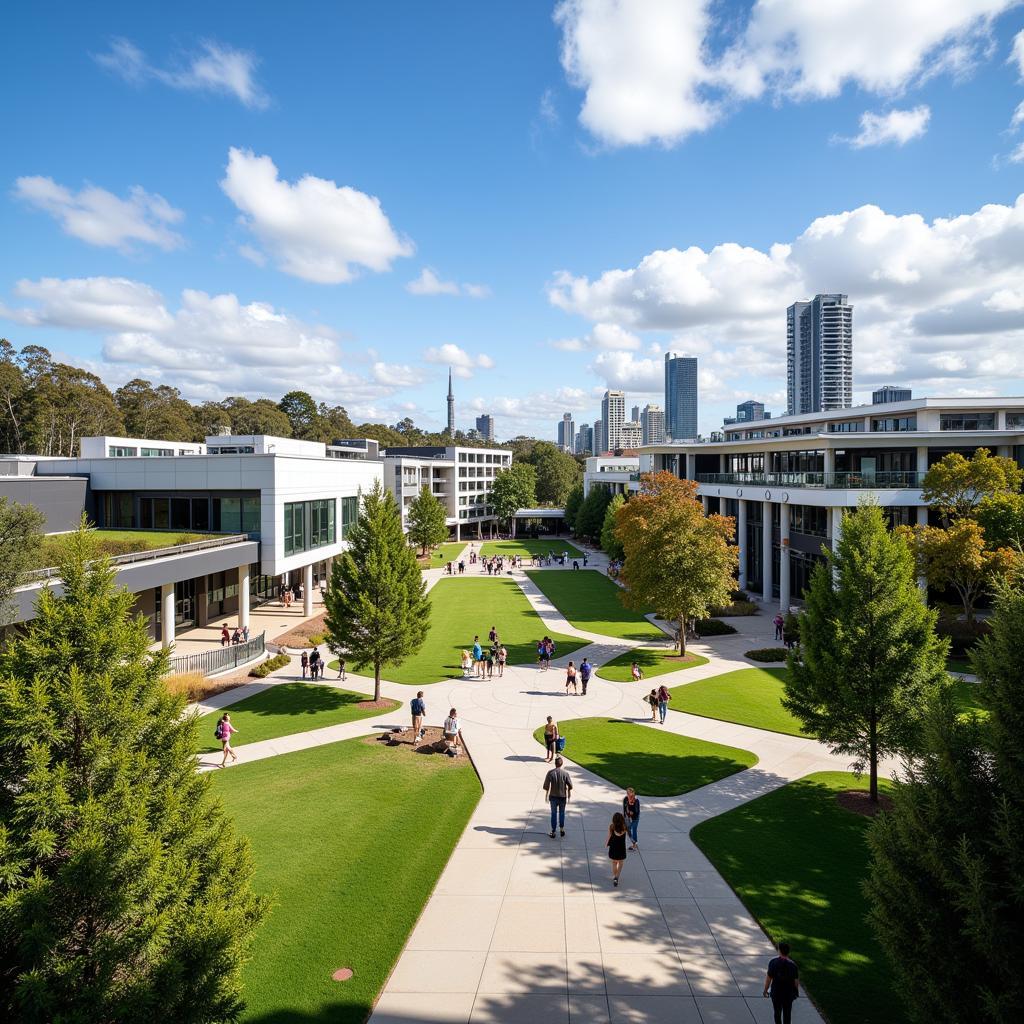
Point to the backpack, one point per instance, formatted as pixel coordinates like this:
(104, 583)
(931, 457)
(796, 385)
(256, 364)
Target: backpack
(217, 732)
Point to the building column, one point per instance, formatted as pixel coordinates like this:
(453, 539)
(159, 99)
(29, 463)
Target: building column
(458, 530)
(243, 596)
(167, 615)
(706, 502)
(830, 465)
(691, 465)
(741, 540)
(922, 461)
(837, 525)
(307, 589)
(784, 598)
(766, 550)
(723, 463)
(922, 520)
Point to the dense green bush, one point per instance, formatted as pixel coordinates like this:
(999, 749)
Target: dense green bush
(767, 654)
(714, 627)
(736, 608)
(962, 635)
(264, 668)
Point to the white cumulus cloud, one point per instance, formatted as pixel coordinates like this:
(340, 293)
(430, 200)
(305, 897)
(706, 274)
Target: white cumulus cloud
(1017, 52)
(429, 283)
(603, 337)
(895, 126)
(314, 229)
(463, 363)
(100, 218)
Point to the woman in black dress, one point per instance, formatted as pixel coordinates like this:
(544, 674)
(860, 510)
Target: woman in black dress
(617, 845)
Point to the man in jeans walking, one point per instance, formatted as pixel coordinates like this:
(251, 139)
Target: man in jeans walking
(585, 669)
(558, 787)
(782, 983)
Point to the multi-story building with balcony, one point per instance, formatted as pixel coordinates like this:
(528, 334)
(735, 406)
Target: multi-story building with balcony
(788, 481)
(620, 474)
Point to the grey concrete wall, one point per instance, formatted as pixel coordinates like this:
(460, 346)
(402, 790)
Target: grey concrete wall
(62, 500)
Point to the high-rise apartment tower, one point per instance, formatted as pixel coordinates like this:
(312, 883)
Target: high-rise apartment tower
(653, 422)
(566, 432)
(819, 355)
(680, 396)
(613, 415)
(485, 426)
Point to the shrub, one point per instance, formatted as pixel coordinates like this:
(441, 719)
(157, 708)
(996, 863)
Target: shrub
(714, 627)
(736, 608)
(962, 635)
(316, 639)
(194, 686)
(264, 668)
(791, 627)
(739, 595)
(767, 654)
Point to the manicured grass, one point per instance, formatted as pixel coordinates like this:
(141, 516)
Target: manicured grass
(796, 859)
(528, 548)
(284, 709)
(959, 665)
(118, 542)
(652, 761)
(443, 553)
(590, 601)
(461, 608)
(966, 696)
(748, 696)
(348, 839)
(653, 661)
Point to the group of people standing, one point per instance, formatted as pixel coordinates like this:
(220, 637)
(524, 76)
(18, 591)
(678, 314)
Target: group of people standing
(578, 677)
(480, 661)
(312, 663)
(239, 636)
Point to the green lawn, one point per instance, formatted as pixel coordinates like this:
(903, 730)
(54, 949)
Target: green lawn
(284, 709)
(528, 548)
(966, 696)
(443, 553)
(118, 542)
(748, 696)
(461, 608)
(348, 874)
(796, 859)
(654, 661)
(959, 665)
(653, 762)
(590, 601)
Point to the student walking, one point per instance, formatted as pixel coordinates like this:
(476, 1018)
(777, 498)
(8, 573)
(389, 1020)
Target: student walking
(558, 787)
(782, 983)
(502, 658)
(304, 661)
(652, 699)
(418, 707)
(478, 657)
(778, 623)
(550, 738)
(570, 678)
(663, 698)
(585, 669)
(341, 669)
(223, 733)
(616, 844)
(631, 812)
(314, 662)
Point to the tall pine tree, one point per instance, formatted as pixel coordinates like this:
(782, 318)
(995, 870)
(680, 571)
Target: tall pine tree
(125, 893)
(428, 524)
(377, 606)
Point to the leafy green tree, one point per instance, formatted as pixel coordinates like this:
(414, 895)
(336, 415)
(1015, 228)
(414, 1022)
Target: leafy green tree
(157, 412)
(259, 417)
(428, 516)
(514, 488)
(333, 423)
(573, 503)
(302, 414)
(384, 435)
(678, 561)
(590, 517)
(956, 486)
(947, 861)
(125, 893)
(377, 607)
(610, 543)
(1002, 518)
(12, 400)
(869, 655)
(20, 536)
(557, 472)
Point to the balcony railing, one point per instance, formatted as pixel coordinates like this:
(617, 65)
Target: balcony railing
(838, 481)
(220, 659)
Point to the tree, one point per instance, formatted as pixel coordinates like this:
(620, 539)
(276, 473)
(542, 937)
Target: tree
(259, 417)
(557, 472)
(125, 890)
(573, 503)
(377, 607)
(159, 413)
(333, 423)
(869, 655)
(428, 516)
(514, 488)
(20, 535)
(1002, 518)
(590, 517)
(947, 860)
(678, 561)
(302, 415)
(955, 485)
(610, 543)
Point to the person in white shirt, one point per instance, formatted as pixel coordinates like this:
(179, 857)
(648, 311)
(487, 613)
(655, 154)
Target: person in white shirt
(452, 731)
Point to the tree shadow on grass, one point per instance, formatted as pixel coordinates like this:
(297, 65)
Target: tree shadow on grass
(653, 774)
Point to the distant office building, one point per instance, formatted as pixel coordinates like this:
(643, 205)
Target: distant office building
(748, 412)
(485, 426)
(600, 438)
(584, 439)
(819, 355)
(613, 415)
(652, 423)
(636, 414)
(632, 435)
(890, 393)
(566, 432)
(680, 396)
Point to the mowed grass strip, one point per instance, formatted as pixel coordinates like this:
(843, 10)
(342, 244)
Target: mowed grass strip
(284, 709)
(796, 858)
(748, 696)
(462, 608)
(654, 762)
(590, 601)
(528, 548)
(653, 661)
(442, 554)
(348, 839)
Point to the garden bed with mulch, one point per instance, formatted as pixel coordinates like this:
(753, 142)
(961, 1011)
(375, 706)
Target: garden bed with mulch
(402, 742)
(299, 636)
(858, 801)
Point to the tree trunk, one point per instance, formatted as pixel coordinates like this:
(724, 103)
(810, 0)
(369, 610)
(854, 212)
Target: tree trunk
(376, 680)
(682, 636)
(873, 758)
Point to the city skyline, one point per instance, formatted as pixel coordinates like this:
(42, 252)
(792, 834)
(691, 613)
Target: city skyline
(263, 257)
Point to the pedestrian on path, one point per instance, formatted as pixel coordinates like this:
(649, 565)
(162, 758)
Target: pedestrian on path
(782, 983)
(304, 662)
(223, 733)
(558, 787)
(631, 812)
(478, 657)
(636, 672)
(663, 698)
(418, 707)
(225, 636)
(585, 669)
(550, 738)
(778, 622)
(502, 658)
(617, 845)
(652, 699)
(493, 635)
(452, 729)
(570, 678)
(341, 669)
(314, 662)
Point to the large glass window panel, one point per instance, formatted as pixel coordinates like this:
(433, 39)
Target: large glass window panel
(201, 514)
(230, 515)
(250, 515)
(161, 514)
(181, 513)
(145, 513)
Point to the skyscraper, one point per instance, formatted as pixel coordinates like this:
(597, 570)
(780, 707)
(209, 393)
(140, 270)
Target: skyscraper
(566, 432)
(819, 355)
(451, 405)
(485, 426)
(632, 434)
(680, 396)
(749, 411)
(613, 415)
(584, 439)
(653, 423)
(600, 438)
(636, 413)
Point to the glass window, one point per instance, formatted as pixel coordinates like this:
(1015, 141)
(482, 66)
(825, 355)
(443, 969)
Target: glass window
(321, 522)
(349, 515)
(181, 513)
(294, 527)
(151, 452)
(967, 421)
(161, 514)
(230, 514)
(201, 514)
(887, 424)
(120, 452)
(250, 515)
(1015, 420)
(849, 427)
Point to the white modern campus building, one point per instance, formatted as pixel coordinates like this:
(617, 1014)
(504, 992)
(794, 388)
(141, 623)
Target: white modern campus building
(788, 481)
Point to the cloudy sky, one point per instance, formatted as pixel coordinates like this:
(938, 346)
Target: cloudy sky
(345, 197)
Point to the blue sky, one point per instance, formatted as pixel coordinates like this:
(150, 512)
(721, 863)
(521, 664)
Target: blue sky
(549, 196)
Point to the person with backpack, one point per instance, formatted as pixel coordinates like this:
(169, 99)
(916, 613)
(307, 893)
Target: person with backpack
(652, 699)
(502, 658)
(663, 698)
(314, 662)
(631, 812)
(558, 787)
(418, 707)
(223, 733)
(585, 670)
(550, 738)
(782, 983)
(304, 662)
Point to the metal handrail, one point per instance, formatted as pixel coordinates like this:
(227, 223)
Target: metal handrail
(220, 658)
(898, 479)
